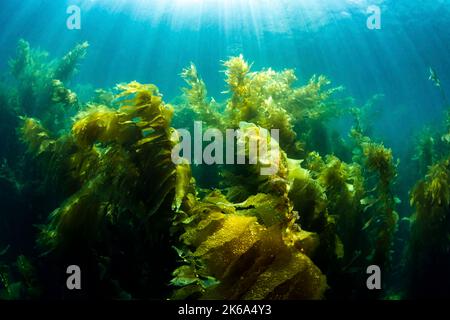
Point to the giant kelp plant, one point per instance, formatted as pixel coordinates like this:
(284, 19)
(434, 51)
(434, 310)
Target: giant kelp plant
(429, 244)
(105, 192)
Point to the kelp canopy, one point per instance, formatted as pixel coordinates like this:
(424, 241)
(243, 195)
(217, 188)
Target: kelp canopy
(145, 228)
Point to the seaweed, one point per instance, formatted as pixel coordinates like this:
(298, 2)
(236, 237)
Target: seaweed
(325, 213)
(196, 96)
(40, 84)
(119, 161)
(19, 281)
(431, 199)
(378, 161)
(67, 66)
(232, 244)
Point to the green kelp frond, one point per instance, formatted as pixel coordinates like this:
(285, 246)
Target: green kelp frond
(23, 59)
(446, 136)
(27, 62)
(425, 154)
(41, 89)
(63, 95)
(196, 95)
(68, 64)
(19, 280)
(365, 115)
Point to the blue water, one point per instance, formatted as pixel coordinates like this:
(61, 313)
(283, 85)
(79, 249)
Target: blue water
(152, 40)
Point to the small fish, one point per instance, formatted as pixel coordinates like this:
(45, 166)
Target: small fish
(433, 77)
(368, 223)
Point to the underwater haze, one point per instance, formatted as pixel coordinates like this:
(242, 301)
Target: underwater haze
(95, 96)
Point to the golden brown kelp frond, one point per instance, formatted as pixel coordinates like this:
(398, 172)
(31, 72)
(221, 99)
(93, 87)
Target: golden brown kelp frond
(263, 169)
(429, 242)
(270, 99)
(103, 97)
(344, 186)
(96, 124)
(259, 98)
(196, 95)
(431, 199)
(184, 189)
(313, 101)
(268, 162)
(138, 94)
(35, 136)
(236, 73)
(75, 222)
(54, 157)
(142, 104)
(309, 199)
(307, 196)
(272, 115)
(433, 192)
(246, 258)
(381, 170)
(122, 161)
(438, 178)
(381, 161)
